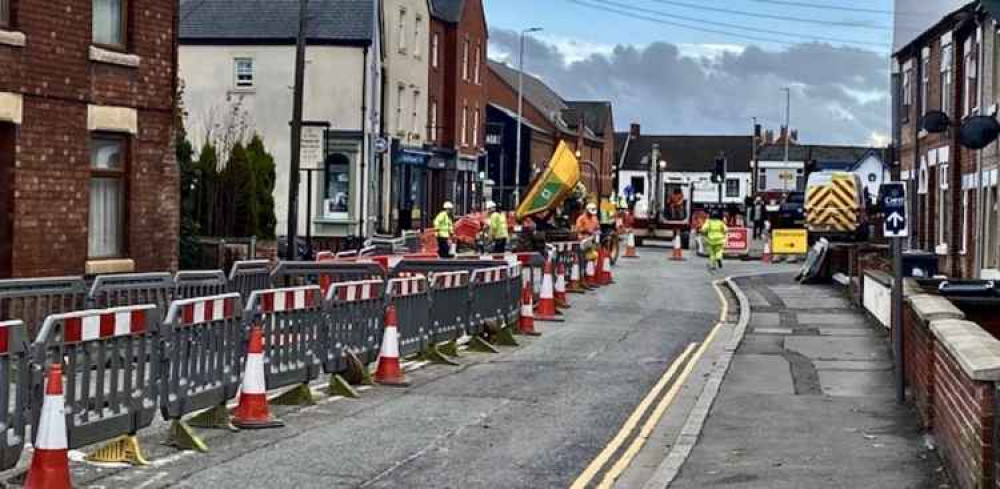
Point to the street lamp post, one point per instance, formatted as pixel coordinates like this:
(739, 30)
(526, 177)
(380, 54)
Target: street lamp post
(520, 115)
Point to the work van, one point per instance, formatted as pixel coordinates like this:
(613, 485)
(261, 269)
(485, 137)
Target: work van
(835, 206)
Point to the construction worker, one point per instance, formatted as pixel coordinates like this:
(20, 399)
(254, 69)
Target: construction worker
(444, 229)
(588, 224)
(498, 228)
(714, 230)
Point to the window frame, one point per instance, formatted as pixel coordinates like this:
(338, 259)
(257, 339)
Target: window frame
(947, 78)
(400, 94)
(415, 121)
(907, 91)
(418, 21)
(475, 127)
(123, 30)
(478, 66)
(965, 221)
(435, 47)
(122, 175)
(925, 83)
(328, 163)
(970, 92)
(465, 125)
(465, 59)
(944, 196)
(731, 181)
(5, 15)
(432, 126)
(401, 30)
(236, 73)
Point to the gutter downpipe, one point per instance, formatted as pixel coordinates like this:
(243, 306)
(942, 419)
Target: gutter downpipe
(980, 241)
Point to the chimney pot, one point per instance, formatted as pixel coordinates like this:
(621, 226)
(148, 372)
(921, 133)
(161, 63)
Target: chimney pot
(635, 130)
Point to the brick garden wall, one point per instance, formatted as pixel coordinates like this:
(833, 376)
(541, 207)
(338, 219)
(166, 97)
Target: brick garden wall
(918, 346)
(963, 423)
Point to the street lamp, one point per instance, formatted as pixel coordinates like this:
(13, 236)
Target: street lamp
(520, 115)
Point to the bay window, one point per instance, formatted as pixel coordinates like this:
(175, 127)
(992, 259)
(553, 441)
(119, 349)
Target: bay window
(106, 222)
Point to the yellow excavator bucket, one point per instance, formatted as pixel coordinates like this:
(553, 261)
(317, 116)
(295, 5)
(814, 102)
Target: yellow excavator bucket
(550, 189)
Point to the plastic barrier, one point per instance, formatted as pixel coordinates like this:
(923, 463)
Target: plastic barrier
(194, 284)
(412, 300)
(247, 277)
(428, 266)
(112, 370)
(490, 288)
(132, 289)
(515, 287)
(31, 300)
(14, 391)
(354, 324)
(449, 314)
(290, 319)
(202, 342)
(323, 274)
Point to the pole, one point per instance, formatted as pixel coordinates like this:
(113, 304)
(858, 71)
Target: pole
(503, 178)
(309, 212)
(296, 159)
(788, 121)
(755, 174)
(520, 114)
(897, 319)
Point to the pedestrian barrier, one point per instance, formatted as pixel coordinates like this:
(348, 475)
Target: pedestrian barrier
(201, 343)
(192, 284)
(323, 274)
(132, 289)
(352, 331)
(112, 375)
(31, 300)
(490, 290)
(449, 314)
(14, 391)
(411, 298)
(246, 277)
(290, 320)
(515, 289)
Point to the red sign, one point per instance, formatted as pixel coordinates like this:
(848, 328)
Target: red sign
(738, 239)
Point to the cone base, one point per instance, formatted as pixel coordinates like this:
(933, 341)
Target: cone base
(549, 318)
(248, 424)
(393, 382)
(49, 470)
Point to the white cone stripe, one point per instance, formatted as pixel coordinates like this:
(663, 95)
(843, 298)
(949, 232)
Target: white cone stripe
(253, 375)
(52, 424)
(561, 283)
(367, 291)
(575, 272)
(123, 323)
(390, 343)
(527, 311)
(90, 328)
(547, 287)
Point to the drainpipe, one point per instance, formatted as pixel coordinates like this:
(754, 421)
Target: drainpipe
(367, 143)
(980, 240)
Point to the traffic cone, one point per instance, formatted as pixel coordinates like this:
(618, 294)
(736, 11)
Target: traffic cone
(591, 278)
(389, 371)
(605, 277)
(562, 301)
(253, 410)
(575, 286)
(678, 252)
(630, 246)
(526, 324)
(766, 257)
(546, 308)
(50, 462)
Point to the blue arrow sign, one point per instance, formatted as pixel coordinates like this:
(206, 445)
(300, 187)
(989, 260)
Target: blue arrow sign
(893, 196)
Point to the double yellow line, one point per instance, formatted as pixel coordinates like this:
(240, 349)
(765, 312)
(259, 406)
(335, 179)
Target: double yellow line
(688, 360)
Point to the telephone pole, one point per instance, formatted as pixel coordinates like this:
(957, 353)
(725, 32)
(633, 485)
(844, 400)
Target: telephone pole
(293, 185)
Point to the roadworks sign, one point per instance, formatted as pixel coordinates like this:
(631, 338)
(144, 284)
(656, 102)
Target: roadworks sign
(790, 242)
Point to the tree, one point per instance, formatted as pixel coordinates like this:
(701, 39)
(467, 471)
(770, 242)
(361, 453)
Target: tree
(241, 187)
(206, 202)
(263, 169)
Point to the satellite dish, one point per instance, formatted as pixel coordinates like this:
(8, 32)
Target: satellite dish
(978, 132)
(935, 122)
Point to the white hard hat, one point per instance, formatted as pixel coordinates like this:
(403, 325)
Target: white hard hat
(448, 206)
(592, 208)
(491, 205)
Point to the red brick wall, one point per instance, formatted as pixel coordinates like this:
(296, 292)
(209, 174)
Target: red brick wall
(963, 424)
(58, 81)
(918, 351)
(442, 84)
(472, 27)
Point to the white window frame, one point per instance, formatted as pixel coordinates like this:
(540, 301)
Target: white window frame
(475, 128)
(401, 30)
(943, 204)
(432, 128)
(465, 125)
(435, 47)
(479, 61)
(947, 78)
(970, 88)
(237, 85)
(416, 114)
(925, 83)
(907, 90)
(965, 222)
(417, 35)
(400, 93)
(465, 59)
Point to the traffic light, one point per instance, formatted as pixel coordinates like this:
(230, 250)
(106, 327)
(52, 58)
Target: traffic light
(719, 175)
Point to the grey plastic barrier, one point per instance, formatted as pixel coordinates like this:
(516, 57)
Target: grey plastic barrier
(246, 277)
(515, 286)
(132, 289)
(449, 314)
(15, 376)
(112, 370)
(323, 274)
(355, 321)
(490, 287)
(411, 296)
(290, 320)
(31, 300)
(199, 283)
(202, 342)
(423, 266)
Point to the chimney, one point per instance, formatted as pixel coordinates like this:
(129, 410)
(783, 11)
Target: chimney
(795, 136)
(635, 130)
(769, 136)
(784, 134)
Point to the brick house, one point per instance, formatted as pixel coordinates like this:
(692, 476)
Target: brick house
(88, 179)
(457, 102)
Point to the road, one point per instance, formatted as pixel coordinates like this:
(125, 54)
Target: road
(532, 416)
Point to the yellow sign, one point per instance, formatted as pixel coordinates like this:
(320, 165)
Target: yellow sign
(790, 242)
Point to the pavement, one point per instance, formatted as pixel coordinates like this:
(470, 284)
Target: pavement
(808, 401)
(533, 416)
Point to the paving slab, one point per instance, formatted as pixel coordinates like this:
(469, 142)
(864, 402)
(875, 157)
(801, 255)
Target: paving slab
(838, 348)
(850, 319)
(839, 383)
(765, 319)
(764, 374)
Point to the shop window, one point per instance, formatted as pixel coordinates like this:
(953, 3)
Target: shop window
(732, 188)
(108, 186)
(337, 191)
(109, 23)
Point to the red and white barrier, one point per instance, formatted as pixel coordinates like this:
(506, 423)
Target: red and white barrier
(111, 323)
(354, 291)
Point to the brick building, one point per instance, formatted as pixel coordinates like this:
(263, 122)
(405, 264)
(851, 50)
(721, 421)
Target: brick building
(88, 180)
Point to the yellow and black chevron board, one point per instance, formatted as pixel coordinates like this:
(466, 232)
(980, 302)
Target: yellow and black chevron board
(833, 207)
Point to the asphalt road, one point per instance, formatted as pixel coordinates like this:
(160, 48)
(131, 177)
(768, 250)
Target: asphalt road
(532, 416)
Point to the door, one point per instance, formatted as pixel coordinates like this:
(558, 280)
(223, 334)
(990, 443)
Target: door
(7, 144)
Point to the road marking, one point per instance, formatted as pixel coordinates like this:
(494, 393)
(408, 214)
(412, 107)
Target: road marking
(647, 428)
(152, 480)
(722, 299)
(633, 420)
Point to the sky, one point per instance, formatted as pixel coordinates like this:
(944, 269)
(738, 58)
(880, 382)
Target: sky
(646, 58)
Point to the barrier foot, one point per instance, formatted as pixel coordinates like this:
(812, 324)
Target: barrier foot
(504, 337)
(340, 387)
(357, 372)
(450, 348)
(299, 395)
(124, 449)
(183, 436)
(215, 418)
(477, 343)
(433, 354)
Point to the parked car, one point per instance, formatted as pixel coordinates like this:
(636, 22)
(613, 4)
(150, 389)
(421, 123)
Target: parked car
(791, 212)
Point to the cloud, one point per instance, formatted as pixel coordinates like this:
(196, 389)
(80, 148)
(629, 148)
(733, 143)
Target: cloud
(839, 94)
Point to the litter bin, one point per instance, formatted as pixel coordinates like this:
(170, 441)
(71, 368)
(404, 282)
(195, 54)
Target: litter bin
(919, 264)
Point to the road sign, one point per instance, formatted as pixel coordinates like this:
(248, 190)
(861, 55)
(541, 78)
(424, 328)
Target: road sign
(894, 209)
(738, 240)
(789, 242)
(381, 145)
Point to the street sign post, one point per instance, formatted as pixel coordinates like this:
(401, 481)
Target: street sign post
(897, 228)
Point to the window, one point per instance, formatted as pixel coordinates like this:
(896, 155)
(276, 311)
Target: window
(109, 23)
(400, 93)
(991, 244)
(638, 185)
(415, 122)
(970, 87)
(732, 188)
(944, 216)
(479, 60)
(965, 222)
(925, 83)
(244, 73)
(907, 91)
(419, 21)
(4, 13)
(337, 190)
(475, 128)
(947, 80)
(106, 223)
(465, 125)
(435, 47)
(401, 30)
(465, 60)
(762, 181)
(432, 127)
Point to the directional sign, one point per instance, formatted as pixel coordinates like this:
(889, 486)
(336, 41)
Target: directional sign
(381, 145)
(893, 197)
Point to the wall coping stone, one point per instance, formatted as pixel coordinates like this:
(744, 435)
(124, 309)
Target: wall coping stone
(977, 352)
(931, 308)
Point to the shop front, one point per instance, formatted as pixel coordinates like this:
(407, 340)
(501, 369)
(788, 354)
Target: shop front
(411, 175)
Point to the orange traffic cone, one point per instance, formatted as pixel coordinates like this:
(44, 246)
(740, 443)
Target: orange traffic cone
(546, 308)
(630, 245)
(599, 268)
(389, 371)
(575, 286)
(562, 301)
(605, 277)
(526, 324)
(678, 253)
(591, 279)
(50, 462)
(766, 257)
(253, 410)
